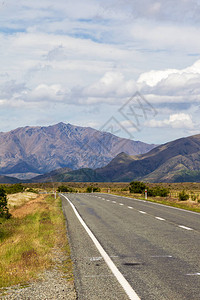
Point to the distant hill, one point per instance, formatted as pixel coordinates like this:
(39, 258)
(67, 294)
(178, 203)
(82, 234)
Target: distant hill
(175, 161)
(30, 151)
(7, 179)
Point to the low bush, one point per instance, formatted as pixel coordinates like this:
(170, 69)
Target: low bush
(14, 188)
(31, 190)
(137, 187)
(91, 189)
(4, 212)
(65, 189)
(183, 196)
(140, 187)
(158, 191)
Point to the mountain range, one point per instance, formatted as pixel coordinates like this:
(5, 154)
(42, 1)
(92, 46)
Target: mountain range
(27, 152)
(67, 153)
(176, 161)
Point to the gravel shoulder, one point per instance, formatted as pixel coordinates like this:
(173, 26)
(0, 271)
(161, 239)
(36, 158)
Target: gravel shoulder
(51, 284)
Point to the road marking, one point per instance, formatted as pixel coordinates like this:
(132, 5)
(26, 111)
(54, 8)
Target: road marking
(114, 202)
(159, 204)
(185, 227)
(121, 279)
(161, 256)
(161, 219)
(121, 204)
(103, 198)
(195, 274)
(142, 212)
(108, 200)
(95, 258)
(130, 207)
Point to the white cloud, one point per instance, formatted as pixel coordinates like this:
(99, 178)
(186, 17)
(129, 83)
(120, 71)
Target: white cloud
(175, 121)
(90, 53)
(111, 84)
(47, 93)
(154, 77)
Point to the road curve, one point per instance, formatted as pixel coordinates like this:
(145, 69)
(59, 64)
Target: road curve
(154, 247)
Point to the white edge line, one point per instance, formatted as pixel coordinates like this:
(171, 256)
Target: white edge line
(123, 282)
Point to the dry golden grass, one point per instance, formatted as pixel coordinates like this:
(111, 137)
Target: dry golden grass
(16, 200)
(28, 239)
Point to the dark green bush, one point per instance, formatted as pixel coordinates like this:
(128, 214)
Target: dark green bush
(14, 188)
(65, 189)
(183, 196)
(137, 187)
(4, 212)
(158, 191)
(91, 189)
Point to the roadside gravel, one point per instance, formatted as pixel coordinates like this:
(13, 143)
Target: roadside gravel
(51, 284)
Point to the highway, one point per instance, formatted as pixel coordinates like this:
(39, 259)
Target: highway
(155, 248)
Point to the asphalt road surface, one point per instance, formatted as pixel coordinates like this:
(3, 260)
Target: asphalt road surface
(156, 248)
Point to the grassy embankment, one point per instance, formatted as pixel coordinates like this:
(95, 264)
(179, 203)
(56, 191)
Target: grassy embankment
(28, 239)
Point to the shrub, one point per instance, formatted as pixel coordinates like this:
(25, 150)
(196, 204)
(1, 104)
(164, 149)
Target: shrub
(65, 189)
(193, 196)
(91, 189)
(14, 188)
(158, 191)
(31, 190)
(4, 212)
(137, 187)
(183, 196)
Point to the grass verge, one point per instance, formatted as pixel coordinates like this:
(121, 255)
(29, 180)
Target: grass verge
(28, 240)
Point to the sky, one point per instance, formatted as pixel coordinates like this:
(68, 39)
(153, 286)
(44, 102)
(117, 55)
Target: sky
(128, 67)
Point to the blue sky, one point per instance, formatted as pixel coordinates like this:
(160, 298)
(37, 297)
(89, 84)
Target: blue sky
(80, 62)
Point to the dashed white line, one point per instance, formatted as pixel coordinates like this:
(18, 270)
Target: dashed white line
(130, 207)
(195, 274)
(114, 202)
(159, 218)
(142, 212)
(121, 204)
(121, 279)
(108, 200)
(161, 256)
(185, 227)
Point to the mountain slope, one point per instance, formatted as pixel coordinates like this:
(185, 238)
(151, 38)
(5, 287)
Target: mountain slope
(30, 151)
(175, 161)
(162, 164)
(7, 179)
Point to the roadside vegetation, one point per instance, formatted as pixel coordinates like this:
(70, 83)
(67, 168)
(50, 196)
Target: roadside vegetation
(93, 189)
(29, 238)
(122, 188)
(138, 187)
(4, 211)
(66, 189)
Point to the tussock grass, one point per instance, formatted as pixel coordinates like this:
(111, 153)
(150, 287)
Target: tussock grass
(19, 199)
(28, 239)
